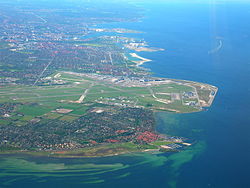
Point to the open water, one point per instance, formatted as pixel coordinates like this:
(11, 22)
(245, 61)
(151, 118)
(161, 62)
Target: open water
(220, 158)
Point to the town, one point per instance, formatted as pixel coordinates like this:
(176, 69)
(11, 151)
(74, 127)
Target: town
(71, 86)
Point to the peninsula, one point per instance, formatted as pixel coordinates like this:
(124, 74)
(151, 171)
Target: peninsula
(89, 115)
(71, 88)
(141, 60)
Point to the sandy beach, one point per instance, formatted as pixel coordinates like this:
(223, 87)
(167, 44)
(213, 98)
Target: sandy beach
(141, 61)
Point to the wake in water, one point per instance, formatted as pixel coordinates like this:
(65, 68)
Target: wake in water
(217, 49)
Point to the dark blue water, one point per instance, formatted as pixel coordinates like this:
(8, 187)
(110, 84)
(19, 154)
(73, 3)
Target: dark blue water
(190, 32)
(221, 156)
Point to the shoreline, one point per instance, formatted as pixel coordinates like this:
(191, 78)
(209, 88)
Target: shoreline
(105, 150)
(74, 154)
(141, 61)
(97, 151)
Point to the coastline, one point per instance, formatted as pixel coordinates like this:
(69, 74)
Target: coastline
(141, 61)
(103, 150)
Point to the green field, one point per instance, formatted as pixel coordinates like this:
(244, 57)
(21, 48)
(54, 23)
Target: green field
(42, 101)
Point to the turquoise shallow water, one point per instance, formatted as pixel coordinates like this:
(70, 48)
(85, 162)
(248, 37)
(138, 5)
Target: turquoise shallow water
(221, 156)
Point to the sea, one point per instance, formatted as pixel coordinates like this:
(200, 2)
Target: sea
(204, 41)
